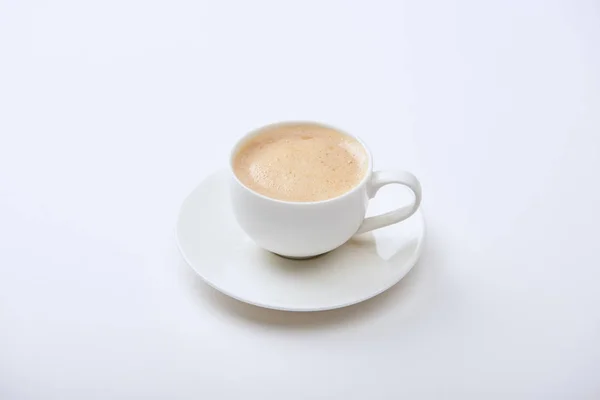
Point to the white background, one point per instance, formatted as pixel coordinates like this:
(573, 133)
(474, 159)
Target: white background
(112, 111)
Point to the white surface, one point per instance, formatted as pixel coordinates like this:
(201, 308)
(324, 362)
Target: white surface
(220, 252)
(113, 111)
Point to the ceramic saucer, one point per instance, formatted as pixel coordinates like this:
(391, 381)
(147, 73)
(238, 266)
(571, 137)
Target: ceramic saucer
(218, 250)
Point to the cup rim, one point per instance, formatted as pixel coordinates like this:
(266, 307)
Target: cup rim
(257, 131)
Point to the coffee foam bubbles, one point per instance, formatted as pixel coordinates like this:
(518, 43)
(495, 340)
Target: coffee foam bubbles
(301, 162)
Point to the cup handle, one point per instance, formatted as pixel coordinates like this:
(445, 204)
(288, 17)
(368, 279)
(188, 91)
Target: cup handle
(378, 180)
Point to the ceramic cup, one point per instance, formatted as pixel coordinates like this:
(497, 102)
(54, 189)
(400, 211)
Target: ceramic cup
(307, 229)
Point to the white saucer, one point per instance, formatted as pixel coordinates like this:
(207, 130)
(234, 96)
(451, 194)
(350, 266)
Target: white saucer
(218, 250)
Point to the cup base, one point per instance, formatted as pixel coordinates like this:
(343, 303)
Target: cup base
(300, 258)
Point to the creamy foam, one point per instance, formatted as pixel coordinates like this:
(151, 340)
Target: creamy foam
(301, 162)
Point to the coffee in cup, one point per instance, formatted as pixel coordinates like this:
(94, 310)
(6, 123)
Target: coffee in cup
(302, 162)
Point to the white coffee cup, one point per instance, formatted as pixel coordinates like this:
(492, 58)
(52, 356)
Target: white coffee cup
(307, 229)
